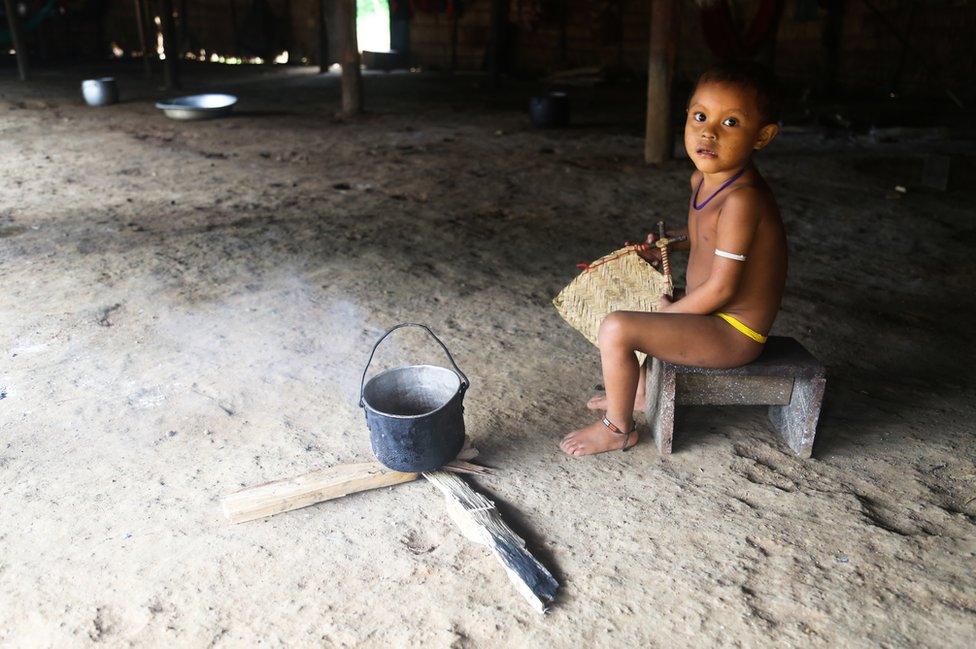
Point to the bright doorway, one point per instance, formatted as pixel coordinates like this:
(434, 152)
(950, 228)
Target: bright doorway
(373, 25)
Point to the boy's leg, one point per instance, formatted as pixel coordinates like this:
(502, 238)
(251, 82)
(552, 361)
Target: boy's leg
(599, 401)
(701, 340)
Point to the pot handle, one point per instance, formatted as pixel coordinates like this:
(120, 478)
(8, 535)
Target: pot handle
(362, 383)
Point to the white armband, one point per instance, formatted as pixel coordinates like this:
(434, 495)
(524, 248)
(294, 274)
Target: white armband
(730, 255)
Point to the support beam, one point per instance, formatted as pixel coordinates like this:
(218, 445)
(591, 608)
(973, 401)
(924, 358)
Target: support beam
(183, 30)
(658, 139)
(140, 10)
(830, 50)
(324, 61)
(454, 38)
(234, 31)
(171, 49)
(496, 39)
(13, 23)
(352, 77)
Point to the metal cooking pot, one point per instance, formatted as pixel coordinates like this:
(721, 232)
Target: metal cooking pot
(100, 92)
(414, 413)
(550, 111)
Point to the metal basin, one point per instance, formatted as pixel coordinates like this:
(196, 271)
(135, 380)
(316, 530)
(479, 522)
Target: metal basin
(100, 92)
(205, 106)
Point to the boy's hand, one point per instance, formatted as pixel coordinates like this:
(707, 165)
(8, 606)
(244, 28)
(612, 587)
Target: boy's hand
(651, 255)
(666, 301)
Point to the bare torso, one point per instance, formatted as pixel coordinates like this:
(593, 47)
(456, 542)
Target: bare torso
(757, 298)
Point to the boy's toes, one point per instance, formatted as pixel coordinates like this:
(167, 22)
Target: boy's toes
(570, 444)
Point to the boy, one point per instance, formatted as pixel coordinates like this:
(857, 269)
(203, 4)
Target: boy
(736, 266)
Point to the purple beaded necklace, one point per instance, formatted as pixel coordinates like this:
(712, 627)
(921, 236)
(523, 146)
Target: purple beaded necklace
(694, 200)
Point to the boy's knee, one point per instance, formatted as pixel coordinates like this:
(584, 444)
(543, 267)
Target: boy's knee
(612, 329)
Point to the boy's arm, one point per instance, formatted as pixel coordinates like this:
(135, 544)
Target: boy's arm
(734, 233)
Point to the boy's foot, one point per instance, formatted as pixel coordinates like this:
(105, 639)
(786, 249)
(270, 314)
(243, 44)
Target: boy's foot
(599, 402)
(597, 438)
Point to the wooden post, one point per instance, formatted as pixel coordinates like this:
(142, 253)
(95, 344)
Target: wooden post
(13, 22)
(831, 41)
(143, 41)
(563, 33)
(171, 50)
(234, 32)
(352, 78)
(658, 142)
(323, 40)
(895, 83)
(454, 38)
(183, 32)
(495, 41)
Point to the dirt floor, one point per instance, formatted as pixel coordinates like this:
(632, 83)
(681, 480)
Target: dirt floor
(187, 308)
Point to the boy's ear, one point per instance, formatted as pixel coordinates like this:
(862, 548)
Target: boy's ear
(766, 135)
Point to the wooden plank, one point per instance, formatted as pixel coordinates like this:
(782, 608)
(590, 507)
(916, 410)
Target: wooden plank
(308, 489)
(481, 523)
(301, 491)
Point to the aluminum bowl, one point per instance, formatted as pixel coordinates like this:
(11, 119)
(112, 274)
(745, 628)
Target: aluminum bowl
(100, 92)
(197, 106)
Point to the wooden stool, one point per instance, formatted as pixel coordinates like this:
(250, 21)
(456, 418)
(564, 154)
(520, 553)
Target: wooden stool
(786, 377)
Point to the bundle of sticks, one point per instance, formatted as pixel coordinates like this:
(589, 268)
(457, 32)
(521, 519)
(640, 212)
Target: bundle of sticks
(476, 515)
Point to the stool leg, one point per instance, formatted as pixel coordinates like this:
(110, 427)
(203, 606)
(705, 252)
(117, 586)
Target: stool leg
(660, 403)
(796, 422)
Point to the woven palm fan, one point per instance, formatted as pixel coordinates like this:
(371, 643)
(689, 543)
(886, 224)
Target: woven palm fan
(620, 281)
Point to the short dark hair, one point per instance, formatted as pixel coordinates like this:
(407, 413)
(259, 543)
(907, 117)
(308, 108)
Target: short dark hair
(750, 76)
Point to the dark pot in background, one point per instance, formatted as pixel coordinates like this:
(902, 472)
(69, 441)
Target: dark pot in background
(100, 92)
(550, 110)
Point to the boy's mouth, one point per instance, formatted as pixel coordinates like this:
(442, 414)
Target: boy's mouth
(706, 152)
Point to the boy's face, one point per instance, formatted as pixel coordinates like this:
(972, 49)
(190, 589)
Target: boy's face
(724, 127)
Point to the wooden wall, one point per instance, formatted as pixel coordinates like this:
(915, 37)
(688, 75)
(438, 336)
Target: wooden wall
(549, 35)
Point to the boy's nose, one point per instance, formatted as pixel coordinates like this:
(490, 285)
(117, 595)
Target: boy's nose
(707, 134)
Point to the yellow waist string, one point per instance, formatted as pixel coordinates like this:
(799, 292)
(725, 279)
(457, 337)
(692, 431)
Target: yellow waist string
(743, 328)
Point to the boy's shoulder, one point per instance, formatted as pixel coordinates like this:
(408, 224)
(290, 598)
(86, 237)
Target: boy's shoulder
(750, 189)
(752, 198)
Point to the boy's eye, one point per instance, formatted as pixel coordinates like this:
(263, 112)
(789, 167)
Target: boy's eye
(699, 116)
(730, 121)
